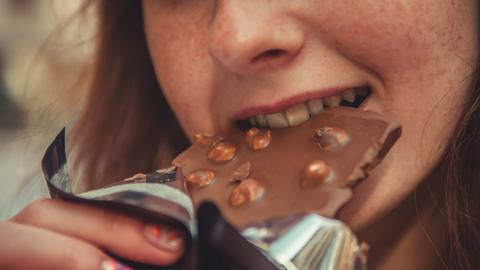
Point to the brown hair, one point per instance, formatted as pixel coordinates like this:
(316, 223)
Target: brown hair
(461, 186)
(126, 120)
(126, 125)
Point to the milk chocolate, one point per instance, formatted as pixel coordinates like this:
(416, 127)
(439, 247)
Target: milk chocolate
(308, 168)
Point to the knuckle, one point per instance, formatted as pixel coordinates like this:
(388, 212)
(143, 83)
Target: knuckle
(33, 211)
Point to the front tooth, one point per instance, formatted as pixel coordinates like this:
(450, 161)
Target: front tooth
(349, 95)
(297, 114)
(253, 120)
(332, 101)
(262, 120)
(277, 120)
(315, 106)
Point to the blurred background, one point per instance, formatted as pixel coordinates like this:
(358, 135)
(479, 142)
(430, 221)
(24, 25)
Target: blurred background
(45, 53)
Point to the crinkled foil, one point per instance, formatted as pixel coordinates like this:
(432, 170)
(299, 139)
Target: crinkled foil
(307, 241)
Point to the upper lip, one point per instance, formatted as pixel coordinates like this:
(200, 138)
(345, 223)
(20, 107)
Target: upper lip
(283, 104)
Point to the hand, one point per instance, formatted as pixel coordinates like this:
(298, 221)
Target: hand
(54, 234)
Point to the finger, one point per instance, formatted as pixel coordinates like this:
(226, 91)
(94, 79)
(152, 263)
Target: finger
(25, 247)
(122, 235)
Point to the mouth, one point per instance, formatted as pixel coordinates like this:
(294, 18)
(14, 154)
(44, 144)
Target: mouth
(298, 110)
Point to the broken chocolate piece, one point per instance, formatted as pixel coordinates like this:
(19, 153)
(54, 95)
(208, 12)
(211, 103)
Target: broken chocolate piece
(280, 167)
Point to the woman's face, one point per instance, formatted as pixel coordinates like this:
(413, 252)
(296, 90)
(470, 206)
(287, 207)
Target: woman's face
(219, 61)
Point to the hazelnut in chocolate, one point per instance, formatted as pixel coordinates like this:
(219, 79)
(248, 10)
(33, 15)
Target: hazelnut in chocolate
(222, 151)
(242, 172)
(200, 178)
(258, 139)
(316, 173)
(247, 191)
(331, 137)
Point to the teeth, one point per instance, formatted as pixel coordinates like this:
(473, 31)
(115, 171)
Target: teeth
(297, 114)
(277, 120)
(262, 120)
(315, 106)
(301, 112)
(332, 101)
(349, 95)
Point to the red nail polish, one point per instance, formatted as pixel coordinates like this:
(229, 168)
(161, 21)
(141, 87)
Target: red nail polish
(164, 238)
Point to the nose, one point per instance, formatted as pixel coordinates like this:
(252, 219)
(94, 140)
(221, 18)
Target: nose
(246, 37)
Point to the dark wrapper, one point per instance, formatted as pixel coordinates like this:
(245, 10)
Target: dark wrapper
(305, 241)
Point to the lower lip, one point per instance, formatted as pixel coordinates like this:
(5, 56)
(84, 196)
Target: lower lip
(288, 102)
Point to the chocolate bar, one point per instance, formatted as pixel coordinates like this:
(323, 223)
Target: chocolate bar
(279, 188)
(263, 174)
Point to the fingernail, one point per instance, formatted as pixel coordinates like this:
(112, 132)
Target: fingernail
(111, 264)
(164, 238)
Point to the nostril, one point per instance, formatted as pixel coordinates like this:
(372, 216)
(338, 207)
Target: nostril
(273, 53)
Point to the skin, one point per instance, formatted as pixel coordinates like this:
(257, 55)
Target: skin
(417, 56)
(53, 234)
(210, 60)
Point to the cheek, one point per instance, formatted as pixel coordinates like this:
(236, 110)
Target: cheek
(397, 39)
(422, 51)
(176, 41)
(425, 67)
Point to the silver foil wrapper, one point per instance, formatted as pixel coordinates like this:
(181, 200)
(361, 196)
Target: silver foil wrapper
(308, 241)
